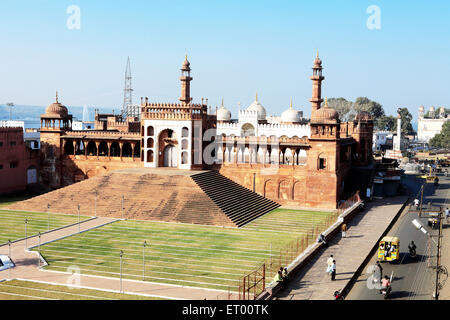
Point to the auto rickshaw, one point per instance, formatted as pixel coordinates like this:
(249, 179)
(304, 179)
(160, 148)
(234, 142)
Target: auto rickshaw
(389, 249)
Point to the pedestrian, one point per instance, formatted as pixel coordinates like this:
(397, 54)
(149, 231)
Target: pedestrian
(344, 230)
(333, 271)
(380, 268)
(330, 260)
(447, 213)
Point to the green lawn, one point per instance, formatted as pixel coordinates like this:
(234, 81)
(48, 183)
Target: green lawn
(183, 254)
(12, 223)
(26, 290)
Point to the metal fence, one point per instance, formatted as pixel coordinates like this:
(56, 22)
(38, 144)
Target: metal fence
(254, 284)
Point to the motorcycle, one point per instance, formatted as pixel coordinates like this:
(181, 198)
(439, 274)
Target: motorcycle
(385, 292)
(338, 295)
(412, 253)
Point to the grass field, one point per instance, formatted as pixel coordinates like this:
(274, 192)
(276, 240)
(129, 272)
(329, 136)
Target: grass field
(26, 290)
(12, 223)
(191, 255)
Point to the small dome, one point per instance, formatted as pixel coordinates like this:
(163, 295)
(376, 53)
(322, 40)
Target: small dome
(291, 115)
(223, 114)
(57, 110)
(186, 65)
(364, 116)
(432, 109)
(325, 115)
(421, 108)
(317, 61)
(256, 106)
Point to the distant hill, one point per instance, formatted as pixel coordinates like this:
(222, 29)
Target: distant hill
(33, 113)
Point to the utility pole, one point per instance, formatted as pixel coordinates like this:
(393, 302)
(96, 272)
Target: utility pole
(421, 201)
(438, 257)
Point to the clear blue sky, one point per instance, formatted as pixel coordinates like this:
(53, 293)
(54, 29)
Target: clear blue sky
(235, 48)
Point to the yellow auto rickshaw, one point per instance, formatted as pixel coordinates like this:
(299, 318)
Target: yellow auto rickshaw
(389, 249)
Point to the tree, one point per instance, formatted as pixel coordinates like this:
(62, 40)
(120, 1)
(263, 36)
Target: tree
(365, 104)
(407, 128)
(442, 140)
(342, 106)
(386, 123)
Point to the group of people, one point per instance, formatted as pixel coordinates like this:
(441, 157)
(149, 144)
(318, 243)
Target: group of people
(388, 249)
(282, 275)
(331, 267)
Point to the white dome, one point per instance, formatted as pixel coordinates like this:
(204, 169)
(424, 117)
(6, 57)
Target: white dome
(291, 115)
(256, 106)
(223, 114)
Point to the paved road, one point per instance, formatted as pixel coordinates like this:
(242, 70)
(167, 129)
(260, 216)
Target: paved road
(313, 283)
(413, 279)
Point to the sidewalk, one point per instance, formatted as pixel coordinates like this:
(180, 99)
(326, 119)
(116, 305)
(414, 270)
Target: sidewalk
(27, 269)
(313, 283)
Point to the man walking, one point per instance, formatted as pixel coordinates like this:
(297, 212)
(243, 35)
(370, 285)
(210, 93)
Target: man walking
(380, 270)
(344, 230)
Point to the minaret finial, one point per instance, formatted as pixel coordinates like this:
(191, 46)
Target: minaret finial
(256, 96)
(291, 103)
(317, 53)
(222, 103)
(326, 102)
(57, 96)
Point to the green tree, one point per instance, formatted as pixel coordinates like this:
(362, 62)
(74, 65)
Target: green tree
(442, 140)
(342, 106)
(386, 123)
(365, 104)
(407, 128)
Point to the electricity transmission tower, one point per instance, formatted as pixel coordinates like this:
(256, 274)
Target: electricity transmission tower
(128, 109)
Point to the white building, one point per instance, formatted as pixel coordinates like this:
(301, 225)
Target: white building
(254, 122)
(432, 124)
(380, 139)
(83, 125)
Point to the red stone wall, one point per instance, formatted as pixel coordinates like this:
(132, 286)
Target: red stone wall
(78, 168)
(14, 151)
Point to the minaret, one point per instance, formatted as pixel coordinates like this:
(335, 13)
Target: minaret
(317, 79)
(186, 82)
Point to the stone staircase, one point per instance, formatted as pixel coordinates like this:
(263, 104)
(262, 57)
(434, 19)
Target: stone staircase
(239, 203)
(205, 198)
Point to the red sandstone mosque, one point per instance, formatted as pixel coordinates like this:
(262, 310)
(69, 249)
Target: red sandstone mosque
(285, 159)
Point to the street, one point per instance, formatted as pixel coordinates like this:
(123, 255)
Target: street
(413, 279)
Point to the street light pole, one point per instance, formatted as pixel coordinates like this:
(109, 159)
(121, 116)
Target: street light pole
(143, 260)
(79, 219)
(39, 250)
(121, 254)
(95, 205)
(123, 199)
(26, 234)
(48, 216)
(10, 260)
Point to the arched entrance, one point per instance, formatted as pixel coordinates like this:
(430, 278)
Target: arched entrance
(170, 157)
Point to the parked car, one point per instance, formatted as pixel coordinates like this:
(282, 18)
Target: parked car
(5, 263)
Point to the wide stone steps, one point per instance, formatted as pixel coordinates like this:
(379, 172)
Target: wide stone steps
(207, 198)
(240, 204)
